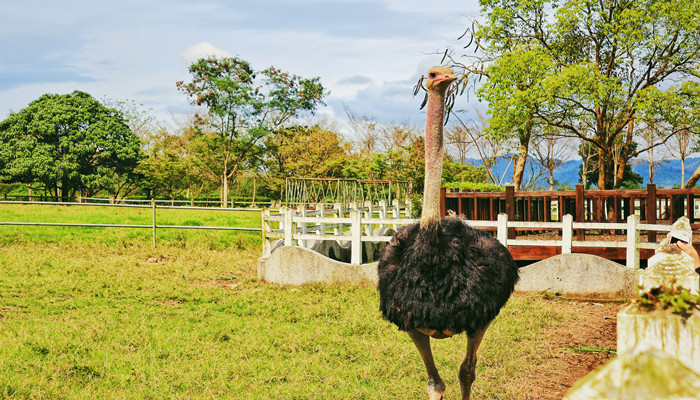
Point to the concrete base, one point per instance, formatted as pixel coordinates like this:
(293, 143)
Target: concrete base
(572, 275)
(643, 374)
(580, 275)
(661, 329)
(292, 265)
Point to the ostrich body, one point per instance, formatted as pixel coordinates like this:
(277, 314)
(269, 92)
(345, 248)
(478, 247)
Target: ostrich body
(440, 277)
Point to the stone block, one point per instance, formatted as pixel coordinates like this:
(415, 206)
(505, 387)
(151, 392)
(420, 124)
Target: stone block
(671, 333)
(580, 275)
(292, 265)
(643, 374)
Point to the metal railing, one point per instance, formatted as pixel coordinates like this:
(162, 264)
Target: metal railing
(257, 205)
(153, 226)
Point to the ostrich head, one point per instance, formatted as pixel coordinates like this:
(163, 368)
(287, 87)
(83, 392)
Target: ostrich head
(439, 79)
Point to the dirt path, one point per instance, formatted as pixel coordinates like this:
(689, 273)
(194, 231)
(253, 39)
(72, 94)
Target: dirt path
(594, 325)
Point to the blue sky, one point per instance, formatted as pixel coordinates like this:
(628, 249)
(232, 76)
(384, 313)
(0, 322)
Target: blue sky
(369, 54)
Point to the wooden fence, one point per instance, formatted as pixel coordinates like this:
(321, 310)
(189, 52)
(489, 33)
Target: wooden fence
(652, 205)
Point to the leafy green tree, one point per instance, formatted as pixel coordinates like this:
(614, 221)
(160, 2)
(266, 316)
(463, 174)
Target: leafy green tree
(309, 152)
(604, 56)
(674, 114)
(242, 110)
(515, 91)
(167, 169)
(68, 144)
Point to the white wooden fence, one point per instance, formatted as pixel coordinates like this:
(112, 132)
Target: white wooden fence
(296, 227)
(354, 223)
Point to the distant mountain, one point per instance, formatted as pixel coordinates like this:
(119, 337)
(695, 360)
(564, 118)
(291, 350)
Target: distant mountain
(666, 175)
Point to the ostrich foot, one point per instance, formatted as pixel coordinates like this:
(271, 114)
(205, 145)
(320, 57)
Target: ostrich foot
(436, 387)
(435, 390)
(467, 371)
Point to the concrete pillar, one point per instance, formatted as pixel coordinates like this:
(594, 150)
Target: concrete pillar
(567, 233)
(356, 235)
(632, 242)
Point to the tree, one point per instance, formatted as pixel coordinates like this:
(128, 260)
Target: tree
(68, 144)
(676, 113)
(310, 152)
(551, 152)
(516, 90)
(168, 168)
(241, 111)
(489, 148)
(604, 56)
(682, 147)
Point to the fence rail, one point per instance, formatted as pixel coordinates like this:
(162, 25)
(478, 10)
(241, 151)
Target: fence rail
(153, 226)
(173, 202)
(295, 229)
(652, 205)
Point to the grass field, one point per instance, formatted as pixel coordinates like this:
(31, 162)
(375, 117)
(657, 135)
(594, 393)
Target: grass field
(88, 313)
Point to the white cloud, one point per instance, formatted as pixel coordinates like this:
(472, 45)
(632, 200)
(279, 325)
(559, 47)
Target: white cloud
(203, 50)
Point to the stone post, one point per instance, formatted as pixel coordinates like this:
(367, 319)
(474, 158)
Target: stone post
(674, 334)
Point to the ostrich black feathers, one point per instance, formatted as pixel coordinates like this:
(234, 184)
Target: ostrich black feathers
(447, 277)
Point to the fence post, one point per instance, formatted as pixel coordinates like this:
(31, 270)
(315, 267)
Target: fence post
(304, 230)
(510, 208)
(567, 233)
(264, 216)
(153, 209)
(339, 226)
(580, 210)
(395, 213)
(651, 210)
(382, 212)
(320, 215)
(443, 194)
(369, 215)
(289, 226)
(502, 232)
(356, 231)
(632, 242)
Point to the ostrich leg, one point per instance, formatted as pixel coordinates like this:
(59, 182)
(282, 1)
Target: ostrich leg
(435, 384)
(467, 371)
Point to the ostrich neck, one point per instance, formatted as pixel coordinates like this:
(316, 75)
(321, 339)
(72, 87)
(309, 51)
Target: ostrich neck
(433, 159)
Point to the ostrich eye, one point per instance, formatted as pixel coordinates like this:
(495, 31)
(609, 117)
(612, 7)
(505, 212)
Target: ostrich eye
(432, 75)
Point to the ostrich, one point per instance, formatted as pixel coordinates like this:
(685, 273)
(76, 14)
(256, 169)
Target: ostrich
(440, 277)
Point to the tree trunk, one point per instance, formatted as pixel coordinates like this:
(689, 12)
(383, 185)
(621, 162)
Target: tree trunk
(682, 170)
(224, 190)
(624, 154)
(693, 179)
(255, 186)
(519, 166)
(603, 163)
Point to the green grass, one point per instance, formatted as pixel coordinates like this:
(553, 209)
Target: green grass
(86, 317)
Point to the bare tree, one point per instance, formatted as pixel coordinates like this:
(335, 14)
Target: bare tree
(551, 152)
(459, 137)
(397, 136)
(681, 147)
(366, 131)
(653, 138)
(488, 149)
